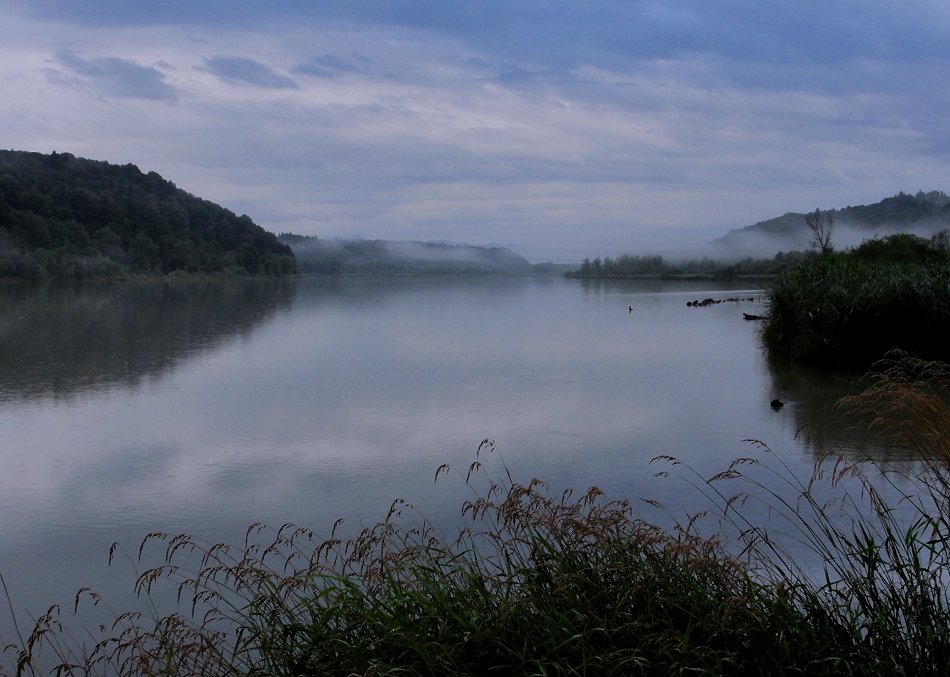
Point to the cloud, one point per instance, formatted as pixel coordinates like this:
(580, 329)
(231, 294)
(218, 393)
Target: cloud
(326, 66)
(119, 77)
(568, 128)
(575, 31)
(248, 71)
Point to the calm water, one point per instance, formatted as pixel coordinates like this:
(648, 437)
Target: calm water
(203, 407)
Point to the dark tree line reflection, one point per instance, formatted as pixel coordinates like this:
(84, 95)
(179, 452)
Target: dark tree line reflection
(56, 341)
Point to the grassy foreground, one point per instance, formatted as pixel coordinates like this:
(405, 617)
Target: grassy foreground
(847, 309)
(542, 582)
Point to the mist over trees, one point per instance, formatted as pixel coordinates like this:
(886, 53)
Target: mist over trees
(790, 239)
(384, 257)
(923, 214)
(65, 217)
(627, 266)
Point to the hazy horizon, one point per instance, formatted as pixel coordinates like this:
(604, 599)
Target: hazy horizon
(560, 130)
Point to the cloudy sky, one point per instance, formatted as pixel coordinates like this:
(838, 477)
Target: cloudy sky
(560, 128)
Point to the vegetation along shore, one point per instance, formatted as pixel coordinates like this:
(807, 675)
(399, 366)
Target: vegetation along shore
(845, 309)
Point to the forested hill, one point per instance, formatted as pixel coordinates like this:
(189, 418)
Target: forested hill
(68, 217)
(922, 214)
(384, 257)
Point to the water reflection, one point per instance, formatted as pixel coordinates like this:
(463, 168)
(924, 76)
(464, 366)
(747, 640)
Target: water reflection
(657, 285)
(204, 407)
(57, 342)
(811, 395)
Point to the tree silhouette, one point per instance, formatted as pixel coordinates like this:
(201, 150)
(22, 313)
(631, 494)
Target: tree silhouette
(820, 224)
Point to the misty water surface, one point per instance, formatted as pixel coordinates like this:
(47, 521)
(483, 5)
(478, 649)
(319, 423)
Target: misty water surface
(202, 407)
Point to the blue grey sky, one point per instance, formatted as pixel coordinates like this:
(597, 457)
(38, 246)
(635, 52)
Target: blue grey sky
(563, 129)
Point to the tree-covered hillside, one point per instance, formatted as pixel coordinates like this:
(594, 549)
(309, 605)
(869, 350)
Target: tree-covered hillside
(66, 217)
(384, 257)
(923, 214)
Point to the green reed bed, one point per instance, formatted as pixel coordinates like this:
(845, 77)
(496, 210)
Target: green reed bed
(848, 309)
(542, 582)
(539, 584)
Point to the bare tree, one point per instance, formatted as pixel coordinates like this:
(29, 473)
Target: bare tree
(820, 224)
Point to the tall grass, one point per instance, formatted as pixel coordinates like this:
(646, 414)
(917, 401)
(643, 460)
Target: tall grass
(848, 309)
(539, 583)
(544, 582)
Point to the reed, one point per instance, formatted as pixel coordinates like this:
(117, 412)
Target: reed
(546, 582)
(848, 309)
(538, 583)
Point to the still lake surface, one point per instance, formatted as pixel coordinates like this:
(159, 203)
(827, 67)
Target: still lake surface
(204, 406)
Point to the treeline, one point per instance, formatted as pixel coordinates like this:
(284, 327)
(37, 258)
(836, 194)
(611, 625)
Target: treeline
(846, 309)
(65, 217)
(922, 212)
(902, 209)
(384, 257)
(627, 266)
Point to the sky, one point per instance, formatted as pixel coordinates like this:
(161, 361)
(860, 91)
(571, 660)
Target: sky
(562, 129)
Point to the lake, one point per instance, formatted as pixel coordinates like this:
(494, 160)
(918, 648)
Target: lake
(204, 406)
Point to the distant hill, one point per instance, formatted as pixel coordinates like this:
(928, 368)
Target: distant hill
(922, 214)
(68, 217)
(384, 257)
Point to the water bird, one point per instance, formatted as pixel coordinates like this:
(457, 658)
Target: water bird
(629, 309)
(777, 403)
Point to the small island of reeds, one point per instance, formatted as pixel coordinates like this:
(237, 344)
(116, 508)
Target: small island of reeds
(846, 309)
